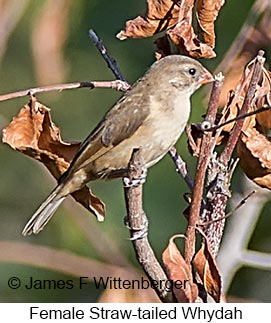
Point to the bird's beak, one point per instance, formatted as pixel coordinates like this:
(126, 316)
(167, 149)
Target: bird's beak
(206, 77)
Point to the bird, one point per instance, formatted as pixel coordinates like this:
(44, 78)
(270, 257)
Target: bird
(151, 115)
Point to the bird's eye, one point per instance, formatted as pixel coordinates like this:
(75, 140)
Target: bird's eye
(192, 71)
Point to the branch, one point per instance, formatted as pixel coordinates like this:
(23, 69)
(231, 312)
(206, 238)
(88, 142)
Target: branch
(111, 63)
(204, 158)
(138, 223)
(117, 84)
(181, 167)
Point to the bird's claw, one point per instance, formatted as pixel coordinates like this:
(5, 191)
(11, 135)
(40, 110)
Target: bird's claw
(140, 232)
(137, 181)
(137, 232)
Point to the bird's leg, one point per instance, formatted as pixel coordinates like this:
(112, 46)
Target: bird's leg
(137, 181)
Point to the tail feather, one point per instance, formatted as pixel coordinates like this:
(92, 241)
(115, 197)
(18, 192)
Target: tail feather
(43, 213)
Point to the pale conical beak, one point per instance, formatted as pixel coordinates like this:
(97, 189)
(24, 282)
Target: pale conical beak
(206, 77)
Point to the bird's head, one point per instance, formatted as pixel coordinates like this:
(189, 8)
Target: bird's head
(182, 72)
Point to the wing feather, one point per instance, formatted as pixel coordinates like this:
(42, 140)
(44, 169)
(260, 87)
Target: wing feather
(120, 123)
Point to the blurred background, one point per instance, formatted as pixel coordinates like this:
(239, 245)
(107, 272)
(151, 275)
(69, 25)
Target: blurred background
(46, 42)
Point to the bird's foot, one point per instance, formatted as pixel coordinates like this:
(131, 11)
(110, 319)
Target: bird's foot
(137, 181)
(137, 232)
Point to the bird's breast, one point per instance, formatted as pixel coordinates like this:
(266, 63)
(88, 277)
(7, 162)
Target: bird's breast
(166, 125)
(158, 132)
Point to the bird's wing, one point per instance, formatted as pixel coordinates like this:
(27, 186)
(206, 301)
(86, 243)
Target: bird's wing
(119, 124)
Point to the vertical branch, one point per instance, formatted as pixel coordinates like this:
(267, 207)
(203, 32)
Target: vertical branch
(236, 131)
(204, 157)
(221, 169)
(138, 224)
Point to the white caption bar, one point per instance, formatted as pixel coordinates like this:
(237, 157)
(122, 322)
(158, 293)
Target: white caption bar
(38, 312)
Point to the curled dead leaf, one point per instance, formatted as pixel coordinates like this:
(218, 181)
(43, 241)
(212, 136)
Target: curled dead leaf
(206, 267)
(184, 37)
(178, 270)
(254, 151)
(160, 15)
(33, 133)
(206, 12)
(178, 15)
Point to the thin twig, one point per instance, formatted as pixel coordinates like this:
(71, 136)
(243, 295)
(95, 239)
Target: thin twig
(241, 203)
(138, 224)
(181, 167)
(242, 116)
(111, 63)
(204, 157)
(117, 84)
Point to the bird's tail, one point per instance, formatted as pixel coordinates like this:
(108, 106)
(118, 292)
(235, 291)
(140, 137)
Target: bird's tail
(44, 212)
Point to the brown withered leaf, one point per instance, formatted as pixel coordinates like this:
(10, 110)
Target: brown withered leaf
(178, 15)
(207, 12)
(184, 37)
(33, 133)
(160, 15)
(177, 269)
(254, 151)
(205, 265)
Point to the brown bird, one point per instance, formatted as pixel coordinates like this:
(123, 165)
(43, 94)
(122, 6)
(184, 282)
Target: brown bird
(151, 115)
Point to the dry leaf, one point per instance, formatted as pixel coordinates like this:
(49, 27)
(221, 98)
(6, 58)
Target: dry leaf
(206, 12)
(206, 267)
(163, 14)
(33, 133)
(184, 37)
(254, 151)
(177, 269)
(160, 15)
